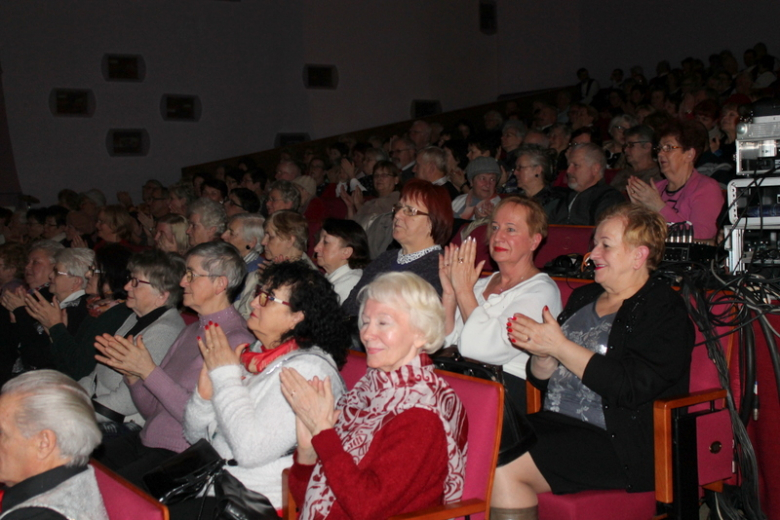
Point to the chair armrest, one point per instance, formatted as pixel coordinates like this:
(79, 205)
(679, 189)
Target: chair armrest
(447, 511)
(533, 398)
(289, 507)
(662, 425)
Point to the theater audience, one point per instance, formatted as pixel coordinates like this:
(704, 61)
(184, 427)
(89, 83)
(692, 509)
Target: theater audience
(238, 405)
(431, 166)
(160, 392)
(49, 432)
(171, 234)
(402, 153)
(613, 149)
(483, 174)
(206, 221)
(638, 149)
(601, 371)
(245, 232)
(422, 224)
(283, 194)
(685, 194)
(374, 445)
(534, 173)
(342, 252)
(181, 195)
(589, 195)
(241, 200)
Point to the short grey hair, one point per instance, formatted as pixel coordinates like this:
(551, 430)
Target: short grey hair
(643, 132)
(50, 400)
(252, 226)
(408, 292)
(593, 154)
(221, 259)
(51, 248)
(542, 157)
(183, 190)
(434, 155)
(212, 214)
(77, 262)
(164, 271)
(378, 155)
(628, 120)
(288, 191)
(517, 125)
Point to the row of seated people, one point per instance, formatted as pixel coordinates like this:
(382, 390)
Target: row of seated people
(222, 377)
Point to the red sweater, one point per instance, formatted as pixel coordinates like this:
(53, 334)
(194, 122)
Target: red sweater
(404, 469)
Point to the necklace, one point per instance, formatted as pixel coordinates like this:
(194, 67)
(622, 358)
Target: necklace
(499, 289)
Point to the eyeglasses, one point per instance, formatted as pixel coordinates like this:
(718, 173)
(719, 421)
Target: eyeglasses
(60, 273)
(409, 211)
(631, 144)
(665, 148)
(95, 270)
(263, 297)
(135, 281)
(190, 275)
(521, 168)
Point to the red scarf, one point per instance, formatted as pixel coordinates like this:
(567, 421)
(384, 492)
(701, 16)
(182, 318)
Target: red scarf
(255, 362)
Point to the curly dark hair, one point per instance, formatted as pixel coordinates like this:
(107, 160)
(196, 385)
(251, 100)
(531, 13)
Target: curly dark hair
(324, 324)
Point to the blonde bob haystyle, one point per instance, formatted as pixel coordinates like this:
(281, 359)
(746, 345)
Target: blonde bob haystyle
(410, 293)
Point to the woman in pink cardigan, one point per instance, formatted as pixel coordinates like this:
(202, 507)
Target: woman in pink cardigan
(686, 194)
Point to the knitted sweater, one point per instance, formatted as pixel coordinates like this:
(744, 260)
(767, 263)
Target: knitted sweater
(162, 396)
(249, 420)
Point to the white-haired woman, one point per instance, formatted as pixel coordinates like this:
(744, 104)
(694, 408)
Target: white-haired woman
(356, 452)
(245, 231)
(613, 149)
(67, 282)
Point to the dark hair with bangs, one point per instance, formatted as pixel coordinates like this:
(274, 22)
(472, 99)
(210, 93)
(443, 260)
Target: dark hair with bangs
(324, 323)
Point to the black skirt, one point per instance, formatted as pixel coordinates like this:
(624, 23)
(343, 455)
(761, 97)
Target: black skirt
(573, 455)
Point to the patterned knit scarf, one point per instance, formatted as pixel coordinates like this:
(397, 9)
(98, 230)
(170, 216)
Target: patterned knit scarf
(255, 362)
(377, 399)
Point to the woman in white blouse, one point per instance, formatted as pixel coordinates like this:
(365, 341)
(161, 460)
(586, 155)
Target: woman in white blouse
(478, 310)
(342, 252)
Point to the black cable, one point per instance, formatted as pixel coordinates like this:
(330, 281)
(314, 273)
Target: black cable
(747, 372)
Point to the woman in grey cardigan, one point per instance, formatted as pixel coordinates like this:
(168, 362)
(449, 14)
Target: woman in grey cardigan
(152, 294)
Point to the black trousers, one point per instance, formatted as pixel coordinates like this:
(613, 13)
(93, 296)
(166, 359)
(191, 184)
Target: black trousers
(130, 458)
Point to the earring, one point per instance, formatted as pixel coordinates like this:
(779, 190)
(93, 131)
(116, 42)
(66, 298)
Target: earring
(247, 247)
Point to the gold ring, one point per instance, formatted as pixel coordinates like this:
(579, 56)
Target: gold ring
(460, 260)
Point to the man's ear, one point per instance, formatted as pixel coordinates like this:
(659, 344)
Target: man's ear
(45, 443)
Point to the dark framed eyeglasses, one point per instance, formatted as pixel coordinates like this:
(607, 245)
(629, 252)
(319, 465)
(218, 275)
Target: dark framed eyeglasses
(409, 211)
(134, 281)
(263, 297)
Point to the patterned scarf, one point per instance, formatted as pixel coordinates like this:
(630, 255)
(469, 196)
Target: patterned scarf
(377, 399)
(255, 362)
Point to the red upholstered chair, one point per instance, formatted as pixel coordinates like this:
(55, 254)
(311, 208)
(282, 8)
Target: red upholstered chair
(123, 500)
(713, 466)
(561, 181)
(354, 369)
(484, 403)
(563, 240)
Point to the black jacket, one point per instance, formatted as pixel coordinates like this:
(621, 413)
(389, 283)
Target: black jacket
(585, 206)
(648, 357)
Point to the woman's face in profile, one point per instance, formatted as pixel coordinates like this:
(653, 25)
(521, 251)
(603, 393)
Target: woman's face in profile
(614, 259)
(390, 340)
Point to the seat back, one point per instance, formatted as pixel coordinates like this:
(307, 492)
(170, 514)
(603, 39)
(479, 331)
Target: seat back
(563, 240)
(484, 404)
(355, 368)
(123, 500)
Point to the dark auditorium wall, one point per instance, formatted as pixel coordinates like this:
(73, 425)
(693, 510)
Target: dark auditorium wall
(244, 60)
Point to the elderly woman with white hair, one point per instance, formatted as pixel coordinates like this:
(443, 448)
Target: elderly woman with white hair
(160, 392)
(352, 450)
(67, 282)
(245, 232)
(613, 149)
(207, 221)
(49, 431)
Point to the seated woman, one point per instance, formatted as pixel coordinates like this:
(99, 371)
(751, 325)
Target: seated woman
(67, 282)
(477, 309)
(399, 436)
(342, 253)
(625, 341)
(535, 174)
(74, 354)
(613, 149)
(153, 291)
(245, 231)
(685, 195)
(171, 234)
(115, 225)
(286, 235)
(422, 224)
(160, 392)
(238, 406)
(483, 174)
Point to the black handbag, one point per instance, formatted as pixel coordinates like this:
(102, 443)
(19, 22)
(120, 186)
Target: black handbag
(517, 434)
(190, 473)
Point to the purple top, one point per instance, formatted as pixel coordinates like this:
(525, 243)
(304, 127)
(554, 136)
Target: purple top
(162, 397)
(699, 202)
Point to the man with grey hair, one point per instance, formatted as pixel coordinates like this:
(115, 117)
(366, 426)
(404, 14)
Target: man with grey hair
(48, 432)
(287, 170)
(420, 134)
(589, 195)
(245, 232)
(68, 281)
(431, 166)
(282, 195)
(512, 137)
(493, 120)
(639, 155)
(207, 221)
